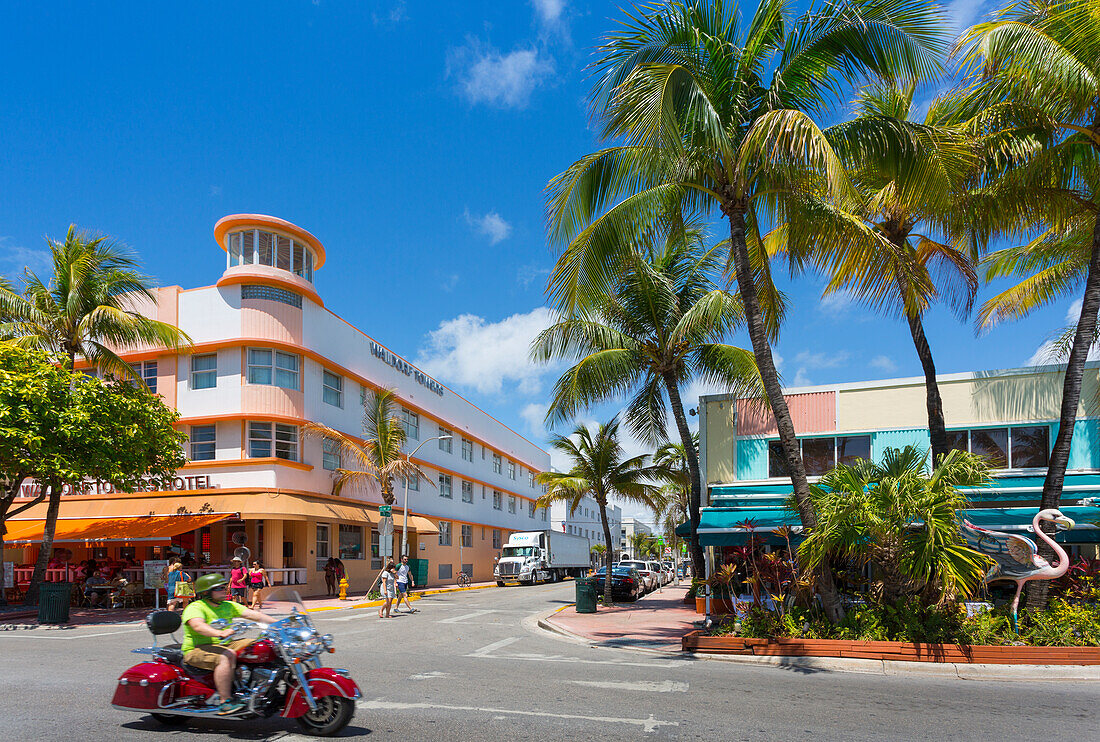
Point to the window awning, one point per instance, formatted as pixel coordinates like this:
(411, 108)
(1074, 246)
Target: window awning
(102, 530)
(418, 523)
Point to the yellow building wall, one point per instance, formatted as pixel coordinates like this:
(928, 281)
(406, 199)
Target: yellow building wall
(996, 399)
(480, 554)
(721, 441)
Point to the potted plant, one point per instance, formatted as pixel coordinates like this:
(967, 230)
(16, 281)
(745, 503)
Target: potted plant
(721, 592)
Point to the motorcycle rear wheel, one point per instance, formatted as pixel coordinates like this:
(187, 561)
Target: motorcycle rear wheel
(170, 720)
(332, 714)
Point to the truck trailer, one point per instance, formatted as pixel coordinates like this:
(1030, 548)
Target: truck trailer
(531, 557)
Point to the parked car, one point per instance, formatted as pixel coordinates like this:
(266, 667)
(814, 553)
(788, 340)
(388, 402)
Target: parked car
(644, 570)
(626, 582)
(656, 568)
(670, 571)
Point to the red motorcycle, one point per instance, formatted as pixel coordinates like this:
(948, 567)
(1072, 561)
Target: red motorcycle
(279, 673)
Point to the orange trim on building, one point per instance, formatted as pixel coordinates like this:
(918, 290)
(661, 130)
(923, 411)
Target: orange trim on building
(269, 223)
(260, 461)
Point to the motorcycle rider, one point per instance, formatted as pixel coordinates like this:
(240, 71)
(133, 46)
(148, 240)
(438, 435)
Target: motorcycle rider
(200, 646)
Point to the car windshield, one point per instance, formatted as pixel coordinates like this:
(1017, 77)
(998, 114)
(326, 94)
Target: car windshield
(614, 570)
(634, 565)
(519, 551)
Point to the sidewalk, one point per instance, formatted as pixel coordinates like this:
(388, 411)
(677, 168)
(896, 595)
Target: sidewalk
(658, 621)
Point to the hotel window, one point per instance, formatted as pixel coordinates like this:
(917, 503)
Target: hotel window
(544, 514)
(446, 444)
(1023, 447)
(512, 504)
(330, 454)
(148, 371)
(445, 485)
(496, 464)
(203, 442)
(531, 477)
(321, 550)
(445, 571)
(819, 455)
(273, 367)
(512, 470)
(204, 371)
(467, 450)
(496, 538)
(256, 247)
(414, 484)
(467, 536)
(498, 500)
(351, 542)
(444, 533)
(263, 438)
(410, 421)
(531, 508)
(467, 492)
(332, 389)
(362, 396)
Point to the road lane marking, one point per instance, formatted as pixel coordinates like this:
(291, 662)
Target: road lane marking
(494, 646)
(428, 675)
(485, 654)
(52, 635)
(647, 725)
(666, 686)
(464, 616)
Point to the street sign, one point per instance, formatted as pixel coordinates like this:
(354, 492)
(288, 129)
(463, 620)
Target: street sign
(385, 510)
(385, 536)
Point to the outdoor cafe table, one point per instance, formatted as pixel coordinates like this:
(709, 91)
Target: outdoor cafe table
(288, 576)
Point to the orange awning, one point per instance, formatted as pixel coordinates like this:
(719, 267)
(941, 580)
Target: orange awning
(96, 530)
(417, 523)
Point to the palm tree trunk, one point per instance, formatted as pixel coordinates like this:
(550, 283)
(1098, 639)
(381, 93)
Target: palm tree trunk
(761, 348)
(937, 429)
(607, 537)
(47, 544)
(695, 489)
(1071, 397)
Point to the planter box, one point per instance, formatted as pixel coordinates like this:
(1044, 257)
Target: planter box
(718, 606)
(696, 641)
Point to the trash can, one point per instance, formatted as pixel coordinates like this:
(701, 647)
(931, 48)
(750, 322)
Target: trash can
(53, 602)
(586, 596)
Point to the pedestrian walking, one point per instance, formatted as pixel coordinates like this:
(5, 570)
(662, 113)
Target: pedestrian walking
(388, 578)
(404, 582)
(257, 580)
(330, 576)
(179, 586)
(238, 581)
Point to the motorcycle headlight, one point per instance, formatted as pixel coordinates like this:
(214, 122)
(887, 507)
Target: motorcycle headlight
(328, 641)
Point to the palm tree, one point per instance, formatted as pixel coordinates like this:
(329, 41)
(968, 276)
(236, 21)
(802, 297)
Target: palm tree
(601, 469)
(638, 543)
(901, 520)
(378, 459)
(715, 115)
(86, 307)
(910, 176)
(1039, 64)
(601, 554)
(659, 327)
(671, 468)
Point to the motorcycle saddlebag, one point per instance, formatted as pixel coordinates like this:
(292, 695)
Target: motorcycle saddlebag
(142, 686)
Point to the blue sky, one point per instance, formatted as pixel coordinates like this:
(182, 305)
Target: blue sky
(413, 138)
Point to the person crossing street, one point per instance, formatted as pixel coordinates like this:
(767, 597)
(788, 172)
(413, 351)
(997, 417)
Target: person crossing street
(404, 582)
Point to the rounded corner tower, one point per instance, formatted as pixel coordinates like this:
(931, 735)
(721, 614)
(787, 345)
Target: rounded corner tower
(266, 251)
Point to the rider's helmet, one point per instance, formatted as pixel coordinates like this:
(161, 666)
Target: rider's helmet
(209, 582)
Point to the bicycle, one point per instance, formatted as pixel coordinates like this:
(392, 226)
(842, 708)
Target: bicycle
(463, 579)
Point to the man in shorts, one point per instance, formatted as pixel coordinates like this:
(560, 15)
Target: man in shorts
(201, 642)
(404, 582)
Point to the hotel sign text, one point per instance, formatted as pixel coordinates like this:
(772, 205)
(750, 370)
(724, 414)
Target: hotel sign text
(421, 378)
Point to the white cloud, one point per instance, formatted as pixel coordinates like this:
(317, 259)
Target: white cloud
(534, 414)
(503, 80)
(884, 363)
(395, 14)
(822, 360)
(1073, 314)
(1049, 352)
(14, 258)
(964, 13)
(471, 352)
(801, 379)
(526, 274)
(836, 303)
(491, 224)
(449, 283)
(549, 11)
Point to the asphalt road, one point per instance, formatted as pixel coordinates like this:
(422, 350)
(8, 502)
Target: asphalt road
(473, 666)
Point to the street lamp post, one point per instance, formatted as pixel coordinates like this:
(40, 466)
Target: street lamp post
(405, 527)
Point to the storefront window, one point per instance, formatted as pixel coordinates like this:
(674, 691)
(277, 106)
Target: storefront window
(852, 447)
(375, 550)
(817, 455)
(1030, 447)
(444, 571)
(991, 443)
(351, 542)
(321, 551)
(467, 536)
(777, 461)
(444, 533)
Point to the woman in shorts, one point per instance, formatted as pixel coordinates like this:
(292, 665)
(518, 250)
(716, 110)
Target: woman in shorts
(238, 588)
(257, 580)
(389, 589)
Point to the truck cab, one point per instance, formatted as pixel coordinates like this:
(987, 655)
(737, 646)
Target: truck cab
(521, 559)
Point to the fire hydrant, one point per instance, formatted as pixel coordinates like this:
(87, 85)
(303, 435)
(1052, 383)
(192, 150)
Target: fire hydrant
(343, 588)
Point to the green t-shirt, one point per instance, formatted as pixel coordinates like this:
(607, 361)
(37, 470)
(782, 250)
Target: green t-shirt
(207, 612)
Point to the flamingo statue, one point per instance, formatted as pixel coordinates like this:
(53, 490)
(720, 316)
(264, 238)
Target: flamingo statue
(1016, 557)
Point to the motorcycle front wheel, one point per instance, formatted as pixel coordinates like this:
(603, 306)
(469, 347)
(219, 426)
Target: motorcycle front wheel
(331, 715)
(170, 720)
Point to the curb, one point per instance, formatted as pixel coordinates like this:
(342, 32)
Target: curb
(889, 668)
(412, 597)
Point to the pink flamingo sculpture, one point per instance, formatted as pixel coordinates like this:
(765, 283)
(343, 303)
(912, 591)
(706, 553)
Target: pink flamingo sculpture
(1016, 557)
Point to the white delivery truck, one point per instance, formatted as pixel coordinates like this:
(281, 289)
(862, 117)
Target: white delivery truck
(533, 556)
